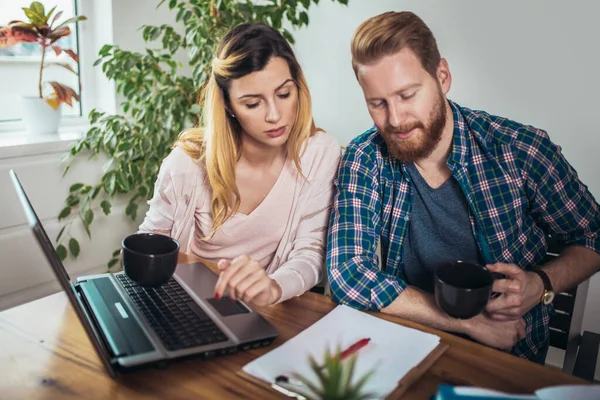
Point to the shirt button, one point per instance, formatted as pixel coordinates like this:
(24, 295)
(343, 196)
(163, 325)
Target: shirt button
(397, 258)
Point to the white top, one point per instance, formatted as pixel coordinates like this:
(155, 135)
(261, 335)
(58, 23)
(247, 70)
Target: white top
(286, 233)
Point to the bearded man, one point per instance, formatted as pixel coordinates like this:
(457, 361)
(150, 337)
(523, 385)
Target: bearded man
(433, 182)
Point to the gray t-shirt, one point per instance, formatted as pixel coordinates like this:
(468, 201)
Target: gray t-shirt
(439, 230)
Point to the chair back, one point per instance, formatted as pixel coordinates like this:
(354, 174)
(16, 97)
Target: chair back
(566, 323)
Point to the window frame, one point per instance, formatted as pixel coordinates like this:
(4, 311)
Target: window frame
(97, 91)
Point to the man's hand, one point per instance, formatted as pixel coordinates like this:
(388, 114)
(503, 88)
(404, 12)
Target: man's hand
(520, 291)
(246, 280)
(502, 335)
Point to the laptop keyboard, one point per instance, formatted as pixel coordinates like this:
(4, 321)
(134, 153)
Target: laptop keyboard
(173, 314)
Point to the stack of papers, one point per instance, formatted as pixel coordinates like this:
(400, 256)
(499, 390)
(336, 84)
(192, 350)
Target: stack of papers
(392, 352)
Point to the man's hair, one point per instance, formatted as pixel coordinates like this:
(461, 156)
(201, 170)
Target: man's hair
(390, 32)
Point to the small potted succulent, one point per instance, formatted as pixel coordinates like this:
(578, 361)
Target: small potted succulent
(335, 379)
(41, 113)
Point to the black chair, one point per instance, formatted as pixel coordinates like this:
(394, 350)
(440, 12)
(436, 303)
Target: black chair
(581, 350)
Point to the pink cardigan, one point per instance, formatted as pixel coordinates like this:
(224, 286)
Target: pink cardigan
(182, 190)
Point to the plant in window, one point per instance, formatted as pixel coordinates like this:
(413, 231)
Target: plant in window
(45, 30)
(159, 102)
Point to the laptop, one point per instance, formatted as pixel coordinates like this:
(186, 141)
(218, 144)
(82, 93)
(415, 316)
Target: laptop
(132, 327)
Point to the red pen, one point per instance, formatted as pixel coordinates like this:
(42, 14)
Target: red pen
(354, 348)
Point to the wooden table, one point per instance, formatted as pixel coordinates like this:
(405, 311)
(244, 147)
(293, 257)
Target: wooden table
(44, 353)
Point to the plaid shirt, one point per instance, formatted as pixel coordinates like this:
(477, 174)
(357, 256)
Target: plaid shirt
(518, 186)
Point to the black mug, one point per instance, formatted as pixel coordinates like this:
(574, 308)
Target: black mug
(149, 259)
(463, 289)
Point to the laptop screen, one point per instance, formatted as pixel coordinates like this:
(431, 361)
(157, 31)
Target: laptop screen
(60, 272)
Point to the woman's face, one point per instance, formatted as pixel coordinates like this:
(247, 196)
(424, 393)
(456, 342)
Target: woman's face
(265, 104)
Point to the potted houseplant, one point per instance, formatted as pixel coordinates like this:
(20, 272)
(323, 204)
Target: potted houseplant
(159, 102)
(41, 113)
(335, 379)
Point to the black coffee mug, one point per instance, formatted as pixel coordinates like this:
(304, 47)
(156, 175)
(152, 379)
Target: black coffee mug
(463, 289)
(149, 259)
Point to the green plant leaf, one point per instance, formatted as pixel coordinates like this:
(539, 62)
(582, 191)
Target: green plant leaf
(37, 8)
(75, 187)
(304, 17)
(74, 247)
(131, 210)
(110, 184)
(105, 50)
(113, 262)
(105, 205)
(84, 204)
(65, 212)
(71, 21)
(61, 251)
(96, 191)
(124, 146)
(122, 181)
(88, 216)
(72, 200)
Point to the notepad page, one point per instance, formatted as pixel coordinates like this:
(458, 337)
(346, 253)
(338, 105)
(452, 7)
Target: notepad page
(392, 352)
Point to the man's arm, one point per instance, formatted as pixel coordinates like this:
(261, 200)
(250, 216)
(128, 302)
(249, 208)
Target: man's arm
(523, 290)
(574, 265)
(420, 307)
(562, 204)
(354, 231)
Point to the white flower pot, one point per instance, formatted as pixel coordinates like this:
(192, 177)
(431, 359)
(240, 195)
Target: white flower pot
(39, 117)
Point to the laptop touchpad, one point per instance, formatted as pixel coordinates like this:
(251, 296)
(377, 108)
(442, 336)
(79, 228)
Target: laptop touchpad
(226, 307)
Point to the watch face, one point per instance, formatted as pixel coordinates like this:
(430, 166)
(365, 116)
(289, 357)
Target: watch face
(548, 297)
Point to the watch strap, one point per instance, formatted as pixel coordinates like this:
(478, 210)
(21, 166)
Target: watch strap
(545, 279)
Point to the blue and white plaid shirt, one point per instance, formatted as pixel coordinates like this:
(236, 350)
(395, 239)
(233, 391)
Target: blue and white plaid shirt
(518, 186)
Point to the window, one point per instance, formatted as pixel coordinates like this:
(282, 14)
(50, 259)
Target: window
(20, 64)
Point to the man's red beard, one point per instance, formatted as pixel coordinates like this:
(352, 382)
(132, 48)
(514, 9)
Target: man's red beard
(421, 144)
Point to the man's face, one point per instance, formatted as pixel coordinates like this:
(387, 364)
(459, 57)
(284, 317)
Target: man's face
(406, 103)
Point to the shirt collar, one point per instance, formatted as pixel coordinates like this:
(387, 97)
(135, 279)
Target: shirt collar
(459, 153)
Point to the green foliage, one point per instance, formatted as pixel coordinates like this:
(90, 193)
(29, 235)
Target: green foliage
(159, 101)
(335, 379)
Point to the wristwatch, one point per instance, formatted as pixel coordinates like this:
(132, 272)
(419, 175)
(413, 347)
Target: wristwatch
(548, 294)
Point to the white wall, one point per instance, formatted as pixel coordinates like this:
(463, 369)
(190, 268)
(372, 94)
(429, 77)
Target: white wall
(533, 61)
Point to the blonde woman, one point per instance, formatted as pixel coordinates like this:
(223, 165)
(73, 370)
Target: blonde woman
(251, 189)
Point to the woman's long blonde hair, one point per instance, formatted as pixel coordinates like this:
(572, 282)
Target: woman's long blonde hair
(217, 144)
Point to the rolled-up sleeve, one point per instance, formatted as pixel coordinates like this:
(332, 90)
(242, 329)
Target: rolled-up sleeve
(354, 232)
(560, 200)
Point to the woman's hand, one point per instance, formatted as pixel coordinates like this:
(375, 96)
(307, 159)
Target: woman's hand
(244, 279)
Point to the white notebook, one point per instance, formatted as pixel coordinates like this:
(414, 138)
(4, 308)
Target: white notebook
(392, 352)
